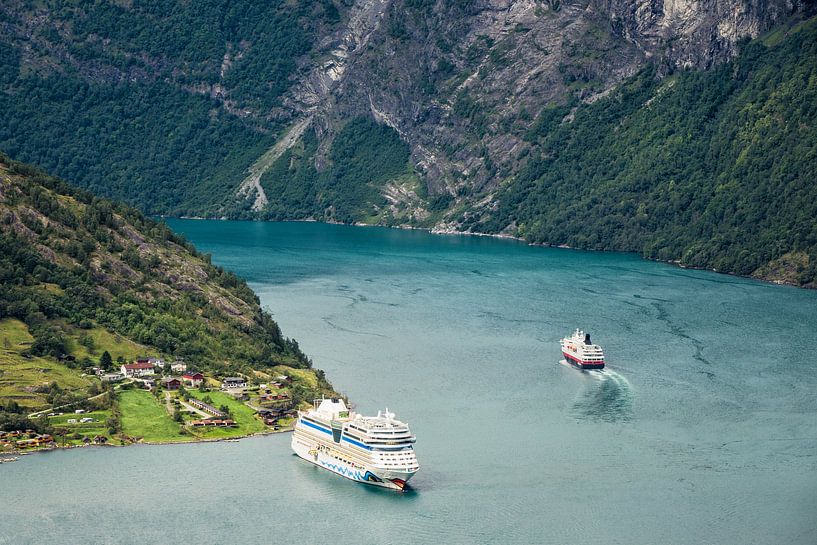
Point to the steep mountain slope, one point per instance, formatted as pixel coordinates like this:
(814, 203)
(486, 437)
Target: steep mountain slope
(72, 265)
(487, 115)
(712, 169)
(462, 82)
(162, 104)
(167, 104)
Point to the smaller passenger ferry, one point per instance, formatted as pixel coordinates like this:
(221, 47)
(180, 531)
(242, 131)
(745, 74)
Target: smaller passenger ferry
(377, 450)
(579, 351)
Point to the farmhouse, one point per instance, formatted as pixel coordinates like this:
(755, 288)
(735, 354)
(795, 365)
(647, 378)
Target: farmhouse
(157, 362)
(178, 366)
(138, 369)
(193, 378)
(147, 383)
(171, 383)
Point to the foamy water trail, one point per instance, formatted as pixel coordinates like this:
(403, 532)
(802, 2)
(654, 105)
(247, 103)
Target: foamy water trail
(608, 398)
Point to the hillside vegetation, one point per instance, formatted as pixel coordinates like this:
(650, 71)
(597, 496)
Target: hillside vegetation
(86, 282)
(82, 272)
(712, 169)
(161, 104)
(364, 156)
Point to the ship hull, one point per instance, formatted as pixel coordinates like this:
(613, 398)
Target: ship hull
(319, 453)
(574, 361)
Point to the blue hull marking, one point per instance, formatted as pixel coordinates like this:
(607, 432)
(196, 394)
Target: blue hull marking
(328, 432)
(319, 428)
(351, 473)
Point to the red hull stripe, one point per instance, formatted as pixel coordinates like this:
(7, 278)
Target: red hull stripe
(577, 360)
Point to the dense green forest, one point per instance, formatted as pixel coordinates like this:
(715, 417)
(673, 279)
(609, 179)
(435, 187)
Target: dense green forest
(713, 169)
(364, 156)
(71, 262)
(163, 104)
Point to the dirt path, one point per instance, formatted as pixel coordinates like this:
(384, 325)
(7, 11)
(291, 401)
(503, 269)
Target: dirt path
(192, 409)
(55, 409)
(252, 183)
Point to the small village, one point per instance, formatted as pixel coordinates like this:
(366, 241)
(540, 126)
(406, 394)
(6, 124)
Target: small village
(159, 402)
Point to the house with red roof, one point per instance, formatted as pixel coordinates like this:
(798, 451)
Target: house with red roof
(138, 369)
(193, 378)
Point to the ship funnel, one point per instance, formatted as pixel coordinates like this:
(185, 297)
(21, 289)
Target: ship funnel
(587, 338)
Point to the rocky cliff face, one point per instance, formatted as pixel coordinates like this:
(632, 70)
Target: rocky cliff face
(216, 87)
(463, 82)
(689, 33)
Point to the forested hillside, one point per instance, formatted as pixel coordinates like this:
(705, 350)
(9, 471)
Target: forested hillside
(713, 169)
(72, 264)
(363, 158)
(161, 104)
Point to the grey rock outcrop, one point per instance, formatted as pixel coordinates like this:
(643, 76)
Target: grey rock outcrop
(463, 82)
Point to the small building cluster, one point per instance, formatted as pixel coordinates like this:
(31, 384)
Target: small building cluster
(271, 398)
(272, 417)
(215, 422)
(143, 369)
(25, 439)
(272, 401)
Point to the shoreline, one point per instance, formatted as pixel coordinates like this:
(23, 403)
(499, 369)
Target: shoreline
(237, 438)
(503, 236)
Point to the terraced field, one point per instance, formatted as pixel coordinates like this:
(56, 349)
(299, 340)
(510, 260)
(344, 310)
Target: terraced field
(20, 376)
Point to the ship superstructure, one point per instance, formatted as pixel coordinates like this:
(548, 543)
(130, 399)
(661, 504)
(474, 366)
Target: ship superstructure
(377, 450)
(579, 351)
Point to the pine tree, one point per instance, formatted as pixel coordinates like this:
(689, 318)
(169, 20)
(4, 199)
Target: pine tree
(105, 361)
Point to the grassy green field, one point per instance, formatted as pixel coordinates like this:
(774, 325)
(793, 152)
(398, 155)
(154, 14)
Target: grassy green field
(144, 417)
(20, 375)
(62, 420)
(306, 376)
(89, 429)
(244, 416)
(105, 340)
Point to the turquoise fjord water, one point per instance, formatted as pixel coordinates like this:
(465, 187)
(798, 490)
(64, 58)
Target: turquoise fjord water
(702, 430)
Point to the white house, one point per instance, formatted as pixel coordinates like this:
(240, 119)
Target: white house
(178, 367)
(157, 362)
(137, 369)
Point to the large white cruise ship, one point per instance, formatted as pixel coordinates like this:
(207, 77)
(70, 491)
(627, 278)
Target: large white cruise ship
(375, 450)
